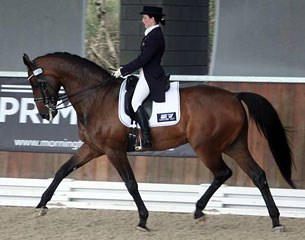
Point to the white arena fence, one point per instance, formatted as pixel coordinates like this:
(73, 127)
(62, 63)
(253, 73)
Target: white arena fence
(203, 78)
(157, 197)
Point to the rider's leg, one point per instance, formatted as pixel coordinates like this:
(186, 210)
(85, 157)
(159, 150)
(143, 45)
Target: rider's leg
(141, 92)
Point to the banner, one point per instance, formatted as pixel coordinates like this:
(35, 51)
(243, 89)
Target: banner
(22, 129)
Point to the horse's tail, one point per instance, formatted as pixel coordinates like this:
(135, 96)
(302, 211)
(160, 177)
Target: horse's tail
(268, 122)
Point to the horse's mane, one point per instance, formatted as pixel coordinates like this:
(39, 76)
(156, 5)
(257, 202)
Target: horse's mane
(76, 60)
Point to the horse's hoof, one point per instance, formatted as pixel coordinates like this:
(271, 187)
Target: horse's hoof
(143, 229)
(280, 228)
(40, 212)
(202, 219)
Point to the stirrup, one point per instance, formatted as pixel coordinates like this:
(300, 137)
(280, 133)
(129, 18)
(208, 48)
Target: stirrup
(140, 146)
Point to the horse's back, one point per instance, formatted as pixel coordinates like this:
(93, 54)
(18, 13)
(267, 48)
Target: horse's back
(207, 95)
(204, 88)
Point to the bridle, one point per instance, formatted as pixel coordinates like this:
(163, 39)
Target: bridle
(49, 101)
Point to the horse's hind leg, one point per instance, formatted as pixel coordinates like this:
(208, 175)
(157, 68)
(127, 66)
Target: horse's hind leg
(239, 152)
(82, 156)
(221, 173)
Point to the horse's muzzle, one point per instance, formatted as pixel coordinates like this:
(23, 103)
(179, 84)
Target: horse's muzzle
(50, 115)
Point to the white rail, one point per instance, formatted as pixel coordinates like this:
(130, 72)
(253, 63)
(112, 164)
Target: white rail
(157, 197)
(204, 78)
(250, 79)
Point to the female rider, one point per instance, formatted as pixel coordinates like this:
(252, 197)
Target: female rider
(152, 75)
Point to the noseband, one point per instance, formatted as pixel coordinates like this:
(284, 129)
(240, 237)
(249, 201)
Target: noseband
(49, 101)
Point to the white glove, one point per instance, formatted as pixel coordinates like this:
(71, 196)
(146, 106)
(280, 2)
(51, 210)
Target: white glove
(117, 73)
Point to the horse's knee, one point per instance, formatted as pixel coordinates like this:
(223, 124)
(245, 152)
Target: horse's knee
(65, 169)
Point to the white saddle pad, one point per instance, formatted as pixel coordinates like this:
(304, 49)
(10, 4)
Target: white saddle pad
(163, 114)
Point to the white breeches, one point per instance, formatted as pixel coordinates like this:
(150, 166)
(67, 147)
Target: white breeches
(140, 93)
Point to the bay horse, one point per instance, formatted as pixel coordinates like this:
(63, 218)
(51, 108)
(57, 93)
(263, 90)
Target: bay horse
(213, 121)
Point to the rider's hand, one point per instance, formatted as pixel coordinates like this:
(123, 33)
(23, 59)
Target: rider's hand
(117, 73)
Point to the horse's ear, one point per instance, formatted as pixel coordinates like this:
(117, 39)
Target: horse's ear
(28, 62)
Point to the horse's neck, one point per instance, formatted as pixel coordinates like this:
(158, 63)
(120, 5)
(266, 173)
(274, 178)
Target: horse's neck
(84, 93)
(76, 85)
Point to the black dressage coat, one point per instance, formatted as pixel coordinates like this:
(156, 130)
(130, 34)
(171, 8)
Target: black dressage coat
(152, 50)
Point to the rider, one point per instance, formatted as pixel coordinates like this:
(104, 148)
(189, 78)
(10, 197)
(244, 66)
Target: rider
(152, 75)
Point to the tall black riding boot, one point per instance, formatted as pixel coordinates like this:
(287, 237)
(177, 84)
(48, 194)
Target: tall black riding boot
(142, 119)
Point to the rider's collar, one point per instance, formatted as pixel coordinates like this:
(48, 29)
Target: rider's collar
(148, 30)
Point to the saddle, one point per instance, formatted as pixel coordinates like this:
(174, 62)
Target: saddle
(160, 114)
(131, 83)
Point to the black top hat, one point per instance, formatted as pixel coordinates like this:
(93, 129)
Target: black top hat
(152, 10)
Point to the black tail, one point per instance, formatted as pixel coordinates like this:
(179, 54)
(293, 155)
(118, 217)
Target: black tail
(269, 123)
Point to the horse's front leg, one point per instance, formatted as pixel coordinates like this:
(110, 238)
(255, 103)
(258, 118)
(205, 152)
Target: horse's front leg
(121, 163)
(81, 157)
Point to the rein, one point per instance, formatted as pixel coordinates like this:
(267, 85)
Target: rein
(65, 98)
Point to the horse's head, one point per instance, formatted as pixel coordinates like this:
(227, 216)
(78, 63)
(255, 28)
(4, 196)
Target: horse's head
(45, 88)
